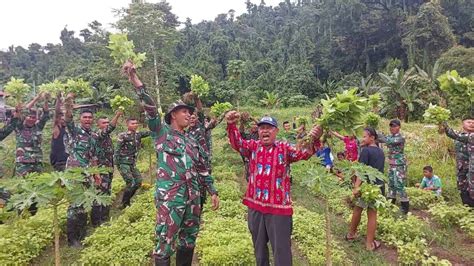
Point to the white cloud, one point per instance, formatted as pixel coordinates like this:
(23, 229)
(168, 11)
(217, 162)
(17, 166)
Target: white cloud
(40, 21)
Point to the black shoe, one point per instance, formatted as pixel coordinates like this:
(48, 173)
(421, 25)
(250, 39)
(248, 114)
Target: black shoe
(404, 207)
(162, 262)
(127, 196)
(184, 256)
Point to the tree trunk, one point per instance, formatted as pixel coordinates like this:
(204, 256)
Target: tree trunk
(57, 254)
(328, 235)
(155, 68)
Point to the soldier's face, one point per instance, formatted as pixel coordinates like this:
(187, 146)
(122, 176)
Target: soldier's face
(192, 120)
(132, 125)
(30, 120)
(253, 126)
(394, 129)
(267, 134)
(468, 125)
(182, 117)
(103, 123)
(86, 120)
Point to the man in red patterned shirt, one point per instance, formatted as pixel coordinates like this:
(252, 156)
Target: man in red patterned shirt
(268, 192)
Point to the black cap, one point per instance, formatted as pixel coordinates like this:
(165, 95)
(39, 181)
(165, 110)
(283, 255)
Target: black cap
(395, 122)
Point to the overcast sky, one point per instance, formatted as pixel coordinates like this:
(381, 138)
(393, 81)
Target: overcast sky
(26, 21)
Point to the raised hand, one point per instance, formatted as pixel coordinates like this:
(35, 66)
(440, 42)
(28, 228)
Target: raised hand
(232, 117)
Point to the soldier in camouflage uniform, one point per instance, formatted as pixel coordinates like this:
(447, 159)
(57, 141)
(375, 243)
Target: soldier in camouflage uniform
(197, 130)
(398, 166)
(464, 159)
(181, 166)
(126, 155)
(105, 155)
(82, 153)
(29, 136)
(5, 132)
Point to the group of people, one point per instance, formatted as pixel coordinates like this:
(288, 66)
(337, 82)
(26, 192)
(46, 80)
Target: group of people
(268, 195)
(183, 149)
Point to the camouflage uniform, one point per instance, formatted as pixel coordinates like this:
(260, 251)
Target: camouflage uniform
(397, 166)
(465, 160)
(4, 132)
(105, 155)
(82, 153)
(199, 134)
(181, 167)
(126, 155)
(29, 156)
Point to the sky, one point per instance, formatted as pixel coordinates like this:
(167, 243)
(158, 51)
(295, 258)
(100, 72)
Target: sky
(40, 21)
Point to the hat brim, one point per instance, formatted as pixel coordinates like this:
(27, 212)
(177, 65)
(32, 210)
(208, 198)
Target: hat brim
(168, 115)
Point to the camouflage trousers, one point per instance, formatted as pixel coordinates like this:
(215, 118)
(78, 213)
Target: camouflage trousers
(177, 225)
(22, 169)
(104, 183)
(397, 182)
(130, 175)
(462, 171)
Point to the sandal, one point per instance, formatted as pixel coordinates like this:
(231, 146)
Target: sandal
(377, 245)
(350, 239)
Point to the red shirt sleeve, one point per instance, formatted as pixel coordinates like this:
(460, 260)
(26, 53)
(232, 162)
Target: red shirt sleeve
(301, 154)
(237, 142)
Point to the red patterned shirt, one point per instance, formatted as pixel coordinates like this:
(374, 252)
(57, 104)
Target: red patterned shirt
(268, 189)
(352, 149)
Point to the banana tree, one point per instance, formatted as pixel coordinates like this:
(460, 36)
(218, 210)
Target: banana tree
(271, 100)
(399, 92)
(53, 190)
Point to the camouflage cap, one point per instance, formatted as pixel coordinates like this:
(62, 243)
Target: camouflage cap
(175, 106)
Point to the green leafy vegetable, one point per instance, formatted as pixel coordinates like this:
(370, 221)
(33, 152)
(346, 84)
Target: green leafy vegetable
(302, 120)
(372, 120)
(460, 91)
(218, 108)
(79, 87)
(122, 50)
(374, 100)
(121, 103)
(436, 114)
(199, 86)
(52, 87)
(17, 89)
(344, 112)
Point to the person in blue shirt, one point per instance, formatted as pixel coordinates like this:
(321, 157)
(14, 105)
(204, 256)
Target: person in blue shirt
(326, 157)
(431, 181)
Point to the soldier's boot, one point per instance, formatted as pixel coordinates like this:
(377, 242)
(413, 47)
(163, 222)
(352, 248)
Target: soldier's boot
(96, 215)
(33, 209)
(126, 198)
(184, 256)
(162, 262)
(105, 214)
(76, 229)
(405, 206)
(72, 233)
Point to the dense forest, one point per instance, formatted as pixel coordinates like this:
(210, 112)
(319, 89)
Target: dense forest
(290, 54)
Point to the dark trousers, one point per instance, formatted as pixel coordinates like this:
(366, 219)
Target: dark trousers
(274, 228)
(466, 199)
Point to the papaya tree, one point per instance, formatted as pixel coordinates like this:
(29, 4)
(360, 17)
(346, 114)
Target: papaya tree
(53, 190)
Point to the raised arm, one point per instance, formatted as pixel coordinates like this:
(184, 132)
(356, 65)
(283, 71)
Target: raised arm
(399, 139)
(32, 103)
(453, 134)
(235, 138)
(297, 154)
(116, 117)
(154, 119)
(336, 134)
